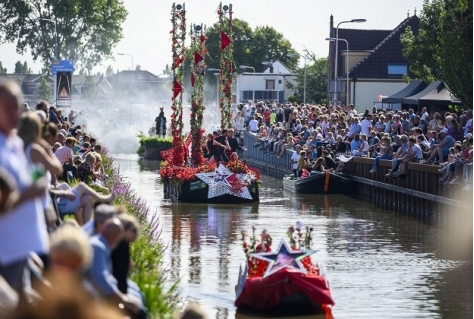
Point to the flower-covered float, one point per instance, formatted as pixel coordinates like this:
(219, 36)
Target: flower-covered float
(233, 183)
(284, 282)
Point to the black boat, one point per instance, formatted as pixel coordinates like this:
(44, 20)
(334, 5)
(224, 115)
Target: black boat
(319, 183)
(198, 192)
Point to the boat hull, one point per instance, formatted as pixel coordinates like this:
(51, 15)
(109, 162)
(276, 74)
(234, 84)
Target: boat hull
(286, 291)
(197, 192)
(324, 183)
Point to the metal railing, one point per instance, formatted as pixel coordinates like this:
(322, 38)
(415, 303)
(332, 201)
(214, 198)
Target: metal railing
(255, 153)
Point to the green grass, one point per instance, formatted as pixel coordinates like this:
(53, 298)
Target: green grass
(147, 252)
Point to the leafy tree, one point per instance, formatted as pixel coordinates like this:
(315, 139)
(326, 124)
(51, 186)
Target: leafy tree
(316, 81)
(22, 68)
(44, 91)
(456, 48)
(251, 47)
(2, 69)
(45, 70)
(167, 70)
(86, 30)
(442, 49)
(138, 67)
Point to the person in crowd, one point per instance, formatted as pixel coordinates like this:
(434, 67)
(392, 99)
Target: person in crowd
(100, 274)
(294, 160)
(302, 163)
(386, 153)
(363, 149)
(22, 225)
(65, 153)
(414, 154)
(402, 148)
(441, 150)
(253, 124)
(233, 142)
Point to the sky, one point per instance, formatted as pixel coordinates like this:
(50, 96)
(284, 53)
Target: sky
(305, 23)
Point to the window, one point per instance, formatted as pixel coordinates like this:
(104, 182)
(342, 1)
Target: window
(397, 69)
(270, 84)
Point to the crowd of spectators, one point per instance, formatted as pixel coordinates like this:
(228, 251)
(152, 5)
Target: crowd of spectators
(64, 246)
(318, 135)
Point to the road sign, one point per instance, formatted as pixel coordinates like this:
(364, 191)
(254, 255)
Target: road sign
(63, 87)
(62, 65)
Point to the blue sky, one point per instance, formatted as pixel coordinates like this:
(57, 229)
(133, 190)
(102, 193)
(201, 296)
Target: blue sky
(305, 23)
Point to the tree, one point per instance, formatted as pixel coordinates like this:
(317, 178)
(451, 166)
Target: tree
(86, 30)
(22, 68)
(44, 91)
(456, 48)
(316, 81)
(138, 67)
(167, 70)
(2, 69)
(251, 47)
(442, 49)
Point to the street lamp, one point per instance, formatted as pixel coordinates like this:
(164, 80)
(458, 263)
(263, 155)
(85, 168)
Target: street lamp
(336, 50)
(217, 81)
(253, 90)
(347, 63)
(270, 63)
(129, 56)
(291, 55)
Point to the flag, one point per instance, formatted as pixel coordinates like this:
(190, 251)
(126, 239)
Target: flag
(225, 40)
(197, 58)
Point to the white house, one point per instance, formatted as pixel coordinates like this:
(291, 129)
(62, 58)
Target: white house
(269, 85)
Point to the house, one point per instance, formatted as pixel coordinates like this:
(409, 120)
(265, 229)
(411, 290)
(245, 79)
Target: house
(374, 64)
(269, 85)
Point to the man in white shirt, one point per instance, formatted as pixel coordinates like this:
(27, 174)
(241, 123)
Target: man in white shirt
(253, 125)
(295, 157)
(22, 225)
(366, 124)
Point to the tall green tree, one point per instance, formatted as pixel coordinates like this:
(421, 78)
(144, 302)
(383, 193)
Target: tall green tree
(2, 69)
(456, 48)
(87, 30)
(44, 90)
(251, 47)
(22, 68)
(316, 81)
(109, 71)
(138, 67)
(442, 49)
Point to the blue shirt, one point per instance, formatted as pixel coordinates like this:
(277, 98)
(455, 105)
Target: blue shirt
(100, 272)
(355, 145)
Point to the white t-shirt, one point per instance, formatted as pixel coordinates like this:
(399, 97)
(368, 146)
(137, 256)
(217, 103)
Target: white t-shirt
(22, 230)
(295, 157)
(365, 127)
(253, 124)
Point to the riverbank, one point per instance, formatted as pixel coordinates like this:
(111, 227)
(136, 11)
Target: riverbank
(147, 252)
(419, 195)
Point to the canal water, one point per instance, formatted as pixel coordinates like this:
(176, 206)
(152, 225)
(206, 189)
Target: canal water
(380, 264)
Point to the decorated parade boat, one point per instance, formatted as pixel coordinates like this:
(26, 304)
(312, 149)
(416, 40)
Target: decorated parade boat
(186, 174)
(231, 184)
(285, 282)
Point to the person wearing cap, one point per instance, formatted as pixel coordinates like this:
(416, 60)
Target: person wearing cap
(441, 150)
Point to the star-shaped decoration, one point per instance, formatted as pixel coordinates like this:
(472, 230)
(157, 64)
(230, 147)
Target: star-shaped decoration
(284, 257)
(220, 183)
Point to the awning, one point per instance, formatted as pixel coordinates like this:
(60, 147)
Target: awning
(435, 94)
(413, 88)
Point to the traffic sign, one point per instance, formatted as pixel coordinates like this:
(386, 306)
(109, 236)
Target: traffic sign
(62, 66)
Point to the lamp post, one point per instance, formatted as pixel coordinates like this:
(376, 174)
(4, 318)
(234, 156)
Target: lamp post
(270, 63)
(253, 85)
(129, 56)
(347, 63)
(336, 51)
(217, 81)
(291, 55)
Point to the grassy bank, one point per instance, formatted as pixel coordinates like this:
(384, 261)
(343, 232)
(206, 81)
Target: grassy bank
(162, 143)
(148, 251)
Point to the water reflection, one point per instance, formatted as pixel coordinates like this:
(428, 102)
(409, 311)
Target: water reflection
(380, 264)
